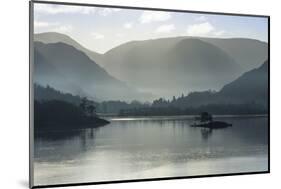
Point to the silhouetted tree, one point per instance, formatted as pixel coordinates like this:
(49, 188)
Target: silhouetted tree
(91, 110)
(205, 116)
(83, 104)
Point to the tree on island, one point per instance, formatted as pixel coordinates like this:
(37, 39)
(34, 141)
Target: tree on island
(205, 116)
(88, 107)
(91, 110)
(83, 104)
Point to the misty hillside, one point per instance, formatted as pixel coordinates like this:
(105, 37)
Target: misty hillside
(167, 67)
(252, 86)
(249, 88)
(48, 93)
(248, 53)
(68, 69)
(54, 37)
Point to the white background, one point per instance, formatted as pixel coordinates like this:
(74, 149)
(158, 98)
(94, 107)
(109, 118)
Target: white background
(14, 93)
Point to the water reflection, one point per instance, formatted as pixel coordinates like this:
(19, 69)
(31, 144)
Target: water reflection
(206, 133)
(54, 146)
(156, 134)
(127, 149)
(65, 135)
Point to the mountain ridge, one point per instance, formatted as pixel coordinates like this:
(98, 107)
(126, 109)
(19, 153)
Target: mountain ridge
(172, 65)
(55, 37)
(73, 71)
(250, 88)
(183, 66)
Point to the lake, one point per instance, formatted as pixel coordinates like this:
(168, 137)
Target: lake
(151, 147)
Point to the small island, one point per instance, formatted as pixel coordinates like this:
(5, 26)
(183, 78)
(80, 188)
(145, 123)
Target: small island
(206, 121)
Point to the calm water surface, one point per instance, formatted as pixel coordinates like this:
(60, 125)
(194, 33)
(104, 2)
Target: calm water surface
(138, 148)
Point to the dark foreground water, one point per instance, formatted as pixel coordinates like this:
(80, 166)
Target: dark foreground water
(139, 148)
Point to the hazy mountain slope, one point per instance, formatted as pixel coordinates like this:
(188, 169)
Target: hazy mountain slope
(171, 66)
(70, 70)
(248, 53)
(250, 88)
(54, 37)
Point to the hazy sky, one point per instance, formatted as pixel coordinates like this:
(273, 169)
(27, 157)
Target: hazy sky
(101, 29)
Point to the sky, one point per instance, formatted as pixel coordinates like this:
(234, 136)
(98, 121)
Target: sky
(100, 29)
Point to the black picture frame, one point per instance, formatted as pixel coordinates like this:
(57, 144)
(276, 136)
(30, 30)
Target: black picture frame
(31, 132)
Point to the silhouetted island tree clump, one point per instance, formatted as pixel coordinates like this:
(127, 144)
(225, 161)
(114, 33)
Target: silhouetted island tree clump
(205, 120)
(60, 115)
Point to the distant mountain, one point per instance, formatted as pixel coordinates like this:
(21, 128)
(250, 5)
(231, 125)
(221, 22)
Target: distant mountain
(248, 53)
(246, 95)
(54, 37)
(249, 88)
(167, 66)
(252, 86)
(65, 68)
(170, 66)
